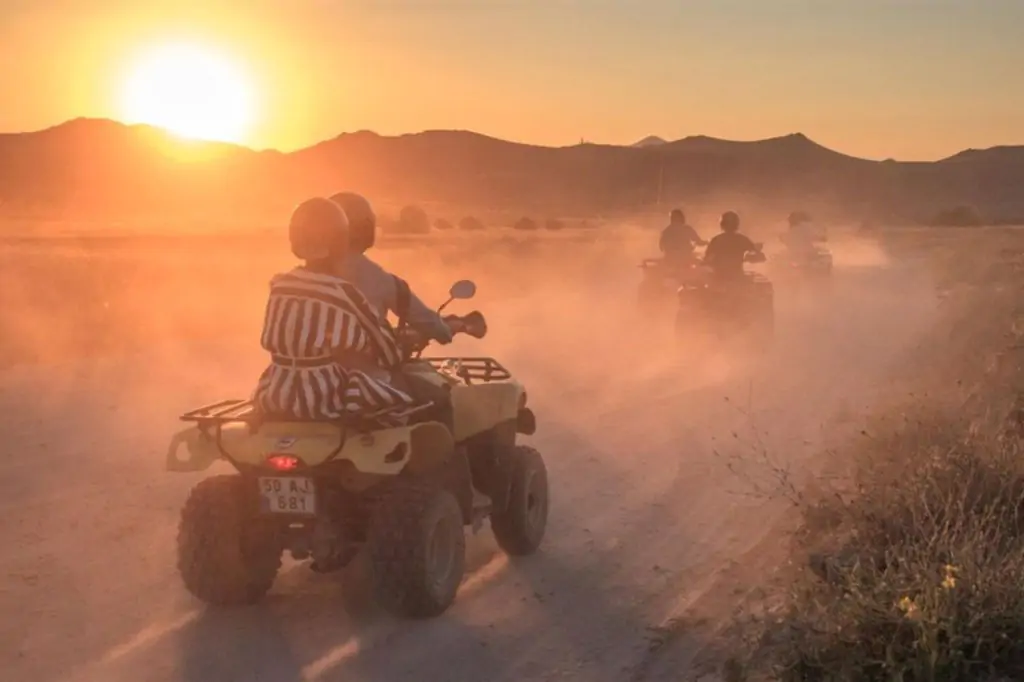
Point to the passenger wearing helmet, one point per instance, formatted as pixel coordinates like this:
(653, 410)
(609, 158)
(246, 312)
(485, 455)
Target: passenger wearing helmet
(316, 322)
(381, 287)
(678, 240)
(726, 252)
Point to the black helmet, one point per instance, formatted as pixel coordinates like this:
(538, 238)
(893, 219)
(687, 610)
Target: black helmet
(318, 230)
(730, 221)
(362, 221)
(676, 216)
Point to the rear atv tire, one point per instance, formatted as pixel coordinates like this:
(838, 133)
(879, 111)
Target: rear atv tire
(417, 549)
(224, 559)
(520, 523)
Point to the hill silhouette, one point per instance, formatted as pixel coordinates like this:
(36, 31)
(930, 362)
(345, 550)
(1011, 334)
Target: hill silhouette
(94, 166)
(650, 141)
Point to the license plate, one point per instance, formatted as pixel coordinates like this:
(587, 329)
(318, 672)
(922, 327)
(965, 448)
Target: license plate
(287, 495)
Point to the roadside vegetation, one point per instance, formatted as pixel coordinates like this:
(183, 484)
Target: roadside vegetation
(910, 566)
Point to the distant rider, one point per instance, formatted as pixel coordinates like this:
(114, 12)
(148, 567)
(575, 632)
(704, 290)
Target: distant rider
(803, 235)
(727, 251)
(677, 242)
(382, 288)
(317, 323)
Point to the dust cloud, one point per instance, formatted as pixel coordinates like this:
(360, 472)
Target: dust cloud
(106, 341)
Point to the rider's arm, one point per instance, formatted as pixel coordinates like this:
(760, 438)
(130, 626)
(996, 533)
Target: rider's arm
(428, 321)
(691, 233)
(381, 287)
(711, 253)
(420, 316)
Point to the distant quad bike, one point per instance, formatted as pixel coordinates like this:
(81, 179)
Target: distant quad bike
(325, 490)
(716, 310)
(661, 282)
(813, 260)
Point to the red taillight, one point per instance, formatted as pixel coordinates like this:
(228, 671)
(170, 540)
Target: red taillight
(283, 462)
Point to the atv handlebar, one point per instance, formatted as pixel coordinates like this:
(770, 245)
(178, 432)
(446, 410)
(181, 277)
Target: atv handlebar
(413, 342)
(472, 323)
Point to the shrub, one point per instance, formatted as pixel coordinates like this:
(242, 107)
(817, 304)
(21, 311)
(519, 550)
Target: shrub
(959, 216)
(912, 568)
(921, 578)
(443, 224)
(413, 220)
(525, 224)
(471, 223)
(553, 224)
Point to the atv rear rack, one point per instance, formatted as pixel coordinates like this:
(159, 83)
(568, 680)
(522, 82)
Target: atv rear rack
(223, 412)
(474, 369)
(244, 411)
(210, 420)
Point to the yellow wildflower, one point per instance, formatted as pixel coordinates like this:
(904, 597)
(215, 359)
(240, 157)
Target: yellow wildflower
(909, 608)
(949, 582)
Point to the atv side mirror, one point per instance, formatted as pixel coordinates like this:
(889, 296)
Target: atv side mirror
(463, 289)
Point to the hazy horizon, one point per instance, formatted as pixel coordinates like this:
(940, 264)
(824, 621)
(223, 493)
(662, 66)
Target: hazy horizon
(907, 80)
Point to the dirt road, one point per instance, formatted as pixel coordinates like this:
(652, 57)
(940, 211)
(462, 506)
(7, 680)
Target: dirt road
(645, 517)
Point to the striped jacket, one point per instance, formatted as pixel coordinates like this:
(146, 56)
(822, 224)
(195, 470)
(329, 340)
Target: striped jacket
(310, 320)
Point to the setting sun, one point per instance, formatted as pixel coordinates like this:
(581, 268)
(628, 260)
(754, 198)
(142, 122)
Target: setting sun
(190, 91)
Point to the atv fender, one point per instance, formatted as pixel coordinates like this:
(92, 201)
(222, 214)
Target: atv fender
(481, 407)
(386, 452)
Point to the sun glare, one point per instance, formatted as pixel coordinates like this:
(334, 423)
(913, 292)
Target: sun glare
(190, 91)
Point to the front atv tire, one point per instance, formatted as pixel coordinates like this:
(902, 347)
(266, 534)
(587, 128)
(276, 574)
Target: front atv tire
(417, 549)
(223, 558)
(520, 523)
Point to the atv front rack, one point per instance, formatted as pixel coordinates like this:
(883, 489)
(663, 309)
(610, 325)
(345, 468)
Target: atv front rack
(473, 369)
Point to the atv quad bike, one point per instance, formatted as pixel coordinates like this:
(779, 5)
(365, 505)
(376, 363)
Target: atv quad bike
(813, 260)
(325, 490)
(717, 310)
(660, 281)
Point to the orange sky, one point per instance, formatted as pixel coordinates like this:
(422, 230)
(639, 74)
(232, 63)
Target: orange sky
(870, 78)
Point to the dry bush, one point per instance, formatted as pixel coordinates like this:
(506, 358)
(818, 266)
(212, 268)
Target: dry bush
(916, 574)
(912, 566)
(471, 223)
(958, 216)
(525, 224)
(413, 220)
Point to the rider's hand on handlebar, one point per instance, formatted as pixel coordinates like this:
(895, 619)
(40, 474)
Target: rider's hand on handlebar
(455, 323)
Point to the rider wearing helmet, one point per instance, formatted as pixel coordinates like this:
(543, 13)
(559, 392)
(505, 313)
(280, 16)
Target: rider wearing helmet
(726, 252)
(316, 322)
(384, 290)
(677, 241)
(802, 233)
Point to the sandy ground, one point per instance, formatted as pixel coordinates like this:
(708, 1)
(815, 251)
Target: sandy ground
(647, 522)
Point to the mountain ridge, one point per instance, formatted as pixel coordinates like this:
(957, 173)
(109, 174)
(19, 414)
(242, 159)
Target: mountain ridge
(101, 165)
